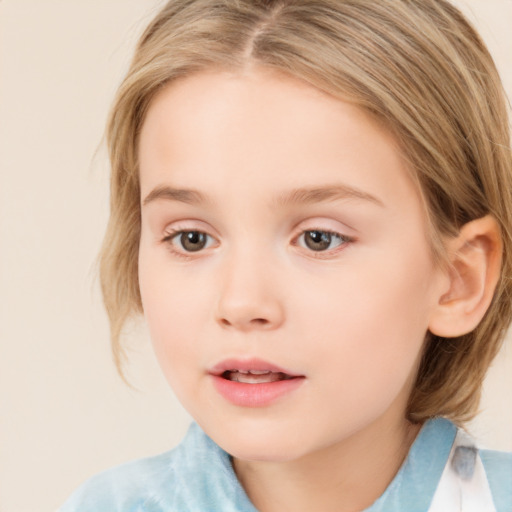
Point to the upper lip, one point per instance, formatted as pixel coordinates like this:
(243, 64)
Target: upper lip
(248, 365)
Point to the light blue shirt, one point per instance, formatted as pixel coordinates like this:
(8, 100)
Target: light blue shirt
(443, 472)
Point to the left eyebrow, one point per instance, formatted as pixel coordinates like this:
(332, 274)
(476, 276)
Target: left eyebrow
(301, 196)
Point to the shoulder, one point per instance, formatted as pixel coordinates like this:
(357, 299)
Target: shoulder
(126, 487)
(474, 478)
(196, 471)
(498, 469)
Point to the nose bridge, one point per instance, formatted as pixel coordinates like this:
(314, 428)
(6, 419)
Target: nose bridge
(249, 297)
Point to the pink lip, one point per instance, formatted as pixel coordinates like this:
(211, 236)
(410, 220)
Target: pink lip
(253, 395)
(248, 364)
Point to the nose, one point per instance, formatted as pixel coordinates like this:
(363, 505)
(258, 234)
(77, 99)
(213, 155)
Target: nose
(250, 297)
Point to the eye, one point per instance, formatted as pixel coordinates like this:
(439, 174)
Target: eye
(318, 240)
(189, 241)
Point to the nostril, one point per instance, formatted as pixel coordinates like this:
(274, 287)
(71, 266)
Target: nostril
(259, 321)
(255, 322)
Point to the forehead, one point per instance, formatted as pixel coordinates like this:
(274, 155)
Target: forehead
(263, 133)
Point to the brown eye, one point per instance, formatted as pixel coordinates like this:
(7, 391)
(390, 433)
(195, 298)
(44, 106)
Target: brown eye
(193, 241)
(318, 240)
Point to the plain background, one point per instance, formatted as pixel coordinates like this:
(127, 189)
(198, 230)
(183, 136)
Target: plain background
(65, 413)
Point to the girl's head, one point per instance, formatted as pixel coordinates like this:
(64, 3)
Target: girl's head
(412, 73)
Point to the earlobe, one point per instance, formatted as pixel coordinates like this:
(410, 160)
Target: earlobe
(473, 273)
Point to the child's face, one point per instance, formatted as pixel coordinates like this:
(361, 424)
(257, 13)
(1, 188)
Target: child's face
(281, 231)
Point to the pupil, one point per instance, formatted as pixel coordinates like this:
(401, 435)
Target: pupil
(317, 240)
(193, 240)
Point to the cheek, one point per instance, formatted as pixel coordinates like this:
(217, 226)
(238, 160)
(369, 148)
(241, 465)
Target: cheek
(371, 320)
(174, 306)
(171, 293)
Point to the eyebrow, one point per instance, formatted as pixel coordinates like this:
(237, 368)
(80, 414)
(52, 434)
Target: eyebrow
(325, 194)
(175, 194)
(298, 196)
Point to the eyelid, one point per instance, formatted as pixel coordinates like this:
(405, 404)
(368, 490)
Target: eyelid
(324, 225)
(175, 230)
(188, 224)
(343, 239)
(327, 224)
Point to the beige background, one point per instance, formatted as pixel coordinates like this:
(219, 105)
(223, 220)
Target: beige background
(65, 414)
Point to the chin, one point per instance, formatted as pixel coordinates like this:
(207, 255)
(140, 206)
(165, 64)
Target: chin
(263, 453)
(268, 443)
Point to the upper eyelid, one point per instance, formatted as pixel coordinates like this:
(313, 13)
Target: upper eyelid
(344, 238)
(324, 222)
(319, 225)
(186, 225)
(175, 232)
(299, 228)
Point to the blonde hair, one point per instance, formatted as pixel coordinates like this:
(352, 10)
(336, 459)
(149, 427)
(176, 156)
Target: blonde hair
(417, 66)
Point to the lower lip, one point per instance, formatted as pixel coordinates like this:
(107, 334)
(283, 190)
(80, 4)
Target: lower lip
(255, 395)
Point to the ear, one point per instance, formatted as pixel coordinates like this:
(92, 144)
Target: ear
(473, 273)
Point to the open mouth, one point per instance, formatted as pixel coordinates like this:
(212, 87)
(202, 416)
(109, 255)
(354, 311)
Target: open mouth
(253, 382)
(255, 376)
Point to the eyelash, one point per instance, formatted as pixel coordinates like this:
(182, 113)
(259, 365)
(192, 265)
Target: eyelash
(170, 236)
(344, 240)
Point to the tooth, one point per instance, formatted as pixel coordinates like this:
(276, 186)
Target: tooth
(259, 372)
(248, 378)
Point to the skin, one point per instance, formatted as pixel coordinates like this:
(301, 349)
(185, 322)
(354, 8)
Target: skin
(351, 319)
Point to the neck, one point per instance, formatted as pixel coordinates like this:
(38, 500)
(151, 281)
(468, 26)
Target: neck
(346, 477)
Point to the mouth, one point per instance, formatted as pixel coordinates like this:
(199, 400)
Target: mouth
(255, 376)
(251, 371)
(253, 382)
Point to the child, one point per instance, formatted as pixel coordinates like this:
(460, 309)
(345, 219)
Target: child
(311, 203)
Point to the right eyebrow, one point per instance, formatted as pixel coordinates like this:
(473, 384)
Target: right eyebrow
(182, 195)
